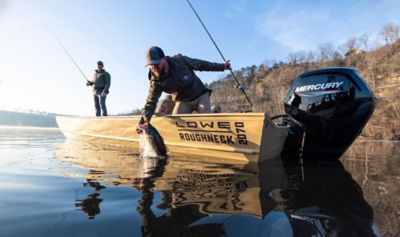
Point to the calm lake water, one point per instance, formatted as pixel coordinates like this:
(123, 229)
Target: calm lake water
(53, 187)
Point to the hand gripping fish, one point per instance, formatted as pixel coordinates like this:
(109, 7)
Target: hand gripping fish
(151, 143)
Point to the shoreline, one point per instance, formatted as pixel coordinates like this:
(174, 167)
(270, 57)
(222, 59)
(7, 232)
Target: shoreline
(27, 127)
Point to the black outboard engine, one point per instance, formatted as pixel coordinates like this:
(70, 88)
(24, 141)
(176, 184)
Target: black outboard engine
(333, 105)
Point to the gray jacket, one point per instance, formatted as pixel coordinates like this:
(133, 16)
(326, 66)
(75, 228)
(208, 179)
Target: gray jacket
(101, 81)
(181, 82)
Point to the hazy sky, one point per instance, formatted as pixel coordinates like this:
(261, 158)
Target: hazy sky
(37, 74)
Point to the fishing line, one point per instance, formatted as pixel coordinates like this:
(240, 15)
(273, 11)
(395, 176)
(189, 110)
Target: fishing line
(240, 86)
(69, 55)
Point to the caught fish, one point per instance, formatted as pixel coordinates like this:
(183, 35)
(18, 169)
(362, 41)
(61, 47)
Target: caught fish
(151, 143)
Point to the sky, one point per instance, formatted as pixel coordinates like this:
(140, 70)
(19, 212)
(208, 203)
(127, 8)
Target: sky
(37, 74)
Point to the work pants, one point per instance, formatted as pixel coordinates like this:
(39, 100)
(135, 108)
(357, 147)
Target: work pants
(100, 103)
(202, 105)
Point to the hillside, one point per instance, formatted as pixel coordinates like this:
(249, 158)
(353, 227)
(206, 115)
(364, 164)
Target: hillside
(35, 119)
(267, 86)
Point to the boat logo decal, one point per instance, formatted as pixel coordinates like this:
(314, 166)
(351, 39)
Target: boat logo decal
(221, 132)
(320, 89)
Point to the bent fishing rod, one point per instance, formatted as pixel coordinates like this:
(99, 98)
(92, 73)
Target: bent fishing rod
(240, 86)
(69, 55)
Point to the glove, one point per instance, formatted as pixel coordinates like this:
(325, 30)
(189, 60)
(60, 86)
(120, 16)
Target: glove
(227, 65)
(140, 127)
(89, 83)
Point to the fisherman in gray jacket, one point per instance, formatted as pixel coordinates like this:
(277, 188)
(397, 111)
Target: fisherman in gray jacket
(175, 75)
(101, 84)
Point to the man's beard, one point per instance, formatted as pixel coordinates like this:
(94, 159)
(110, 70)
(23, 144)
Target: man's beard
(157, 72)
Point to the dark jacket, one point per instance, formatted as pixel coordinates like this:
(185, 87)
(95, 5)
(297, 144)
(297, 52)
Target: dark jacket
(181, 82)
(101, 81)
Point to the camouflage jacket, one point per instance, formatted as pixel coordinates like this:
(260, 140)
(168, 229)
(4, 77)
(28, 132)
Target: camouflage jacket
(181, 82)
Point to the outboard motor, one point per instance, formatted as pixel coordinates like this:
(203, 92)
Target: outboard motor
(333, 105)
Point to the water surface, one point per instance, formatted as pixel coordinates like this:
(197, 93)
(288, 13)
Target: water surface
(55, 187)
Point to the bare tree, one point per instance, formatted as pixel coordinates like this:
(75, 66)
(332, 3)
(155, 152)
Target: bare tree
(269, 62)
(297, 57)
(351, 43)
(310, 56)
(337, 56)
(363, 39)
(261, 69)
(390, 33)
(292, 58)
(326, 52)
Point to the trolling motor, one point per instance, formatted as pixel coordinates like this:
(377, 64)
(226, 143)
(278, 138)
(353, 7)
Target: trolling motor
(333, 105)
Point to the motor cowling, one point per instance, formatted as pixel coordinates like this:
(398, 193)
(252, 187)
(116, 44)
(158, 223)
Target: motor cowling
(333, 105)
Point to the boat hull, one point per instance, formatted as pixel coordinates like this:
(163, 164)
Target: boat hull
(249, 137)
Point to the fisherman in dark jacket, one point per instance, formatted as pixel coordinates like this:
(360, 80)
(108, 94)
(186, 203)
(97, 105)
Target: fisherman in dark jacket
(175, 75)
(101, 84)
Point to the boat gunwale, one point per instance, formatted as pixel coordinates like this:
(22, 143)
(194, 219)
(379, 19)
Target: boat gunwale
(171, 116)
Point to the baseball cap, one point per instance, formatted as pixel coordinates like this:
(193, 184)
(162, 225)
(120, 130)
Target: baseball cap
(100, 63)
(153, 55)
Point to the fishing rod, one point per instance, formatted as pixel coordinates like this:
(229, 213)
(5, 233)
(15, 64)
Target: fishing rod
(240, 86)
(69, 55)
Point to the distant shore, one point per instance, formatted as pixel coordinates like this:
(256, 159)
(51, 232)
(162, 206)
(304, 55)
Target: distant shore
(26, 119)
(27, 127)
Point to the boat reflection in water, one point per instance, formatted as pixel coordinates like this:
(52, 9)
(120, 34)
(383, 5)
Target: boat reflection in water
(182, 197)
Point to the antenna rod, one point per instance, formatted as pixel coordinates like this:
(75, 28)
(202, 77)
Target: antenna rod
(219, 51)
(69, 55)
